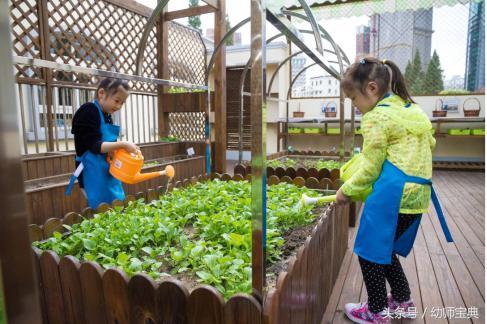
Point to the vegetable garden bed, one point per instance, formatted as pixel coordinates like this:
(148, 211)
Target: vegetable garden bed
(201, 231)
(46, 178)
(322, 166)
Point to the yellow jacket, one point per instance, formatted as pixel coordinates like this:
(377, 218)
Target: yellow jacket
(400, 133)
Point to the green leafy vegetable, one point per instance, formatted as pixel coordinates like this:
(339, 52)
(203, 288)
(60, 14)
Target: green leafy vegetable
(202, 230)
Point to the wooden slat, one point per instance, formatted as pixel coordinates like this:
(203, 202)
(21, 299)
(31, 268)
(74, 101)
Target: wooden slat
(53, 293)
(72, 291)
(195, 11)
(172, 299)
(142, 292)
(461, 247)
(92, 293)
(35, 233)
(205, 306)
(242, 309)
(52, 225)
(430, 293)
(117, 301)
(36, 253)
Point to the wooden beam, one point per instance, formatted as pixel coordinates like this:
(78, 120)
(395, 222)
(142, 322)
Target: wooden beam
(133, 6)
(213, 3)
(189, 12)
(220, 92)
(162, 72)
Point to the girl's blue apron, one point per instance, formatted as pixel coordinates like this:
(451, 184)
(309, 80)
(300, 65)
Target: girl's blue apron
(375, 237)
(100, 185)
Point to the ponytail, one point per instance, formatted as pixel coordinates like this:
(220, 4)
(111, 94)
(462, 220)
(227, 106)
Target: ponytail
(398, 84)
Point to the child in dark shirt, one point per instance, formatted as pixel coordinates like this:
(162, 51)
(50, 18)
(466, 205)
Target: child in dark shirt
(94, 137)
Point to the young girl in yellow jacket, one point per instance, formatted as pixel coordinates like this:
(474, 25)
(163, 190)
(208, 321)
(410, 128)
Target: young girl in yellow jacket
(397, 162)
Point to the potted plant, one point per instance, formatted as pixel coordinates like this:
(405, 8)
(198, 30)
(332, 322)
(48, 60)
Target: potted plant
(439, 112)
(299, 113)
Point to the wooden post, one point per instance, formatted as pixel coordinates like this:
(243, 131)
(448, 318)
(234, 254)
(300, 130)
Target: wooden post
(162, 71)
(17, 278)
(46, 73)
(220, 91)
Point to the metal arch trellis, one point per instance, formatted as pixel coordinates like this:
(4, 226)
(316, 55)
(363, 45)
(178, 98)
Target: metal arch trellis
(247, 66)
(326, 36)
(314, 25)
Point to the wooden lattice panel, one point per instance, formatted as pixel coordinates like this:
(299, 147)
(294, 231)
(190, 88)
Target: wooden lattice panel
(24, 25)
(187, 53)
(187, 126)
(100, 35)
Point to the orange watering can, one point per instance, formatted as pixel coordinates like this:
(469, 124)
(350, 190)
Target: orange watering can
(126, 167)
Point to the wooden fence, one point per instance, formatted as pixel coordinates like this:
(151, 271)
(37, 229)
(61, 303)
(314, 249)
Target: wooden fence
(82, 292)
(45, 195)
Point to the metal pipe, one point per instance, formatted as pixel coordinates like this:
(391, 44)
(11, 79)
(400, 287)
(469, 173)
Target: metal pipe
(279, 67)
(145, 35)
(138, 117)
(284, 25)
(34, 119)
(132, 119)
(143, 119)
(325, 33)
(314, 25)
(154, 114)
(65, 101)
(258, 113)
(55, 92)
(102, 73)
(22, 116)
(220, 44)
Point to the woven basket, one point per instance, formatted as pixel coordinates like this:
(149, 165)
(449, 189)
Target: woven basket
(439, 112)
(298, 114)
(328, 112)
(472, 112)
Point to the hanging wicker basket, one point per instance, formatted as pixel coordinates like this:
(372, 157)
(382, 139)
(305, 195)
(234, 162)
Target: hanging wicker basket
(328, 112)
(472, 112)
(439, 112)
(298, 114)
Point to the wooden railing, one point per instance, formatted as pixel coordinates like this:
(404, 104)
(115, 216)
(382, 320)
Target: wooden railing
(83, 292)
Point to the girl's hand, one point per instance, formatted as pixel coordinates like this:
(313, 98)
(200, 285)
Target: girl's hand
(342, 198)
(130, 147)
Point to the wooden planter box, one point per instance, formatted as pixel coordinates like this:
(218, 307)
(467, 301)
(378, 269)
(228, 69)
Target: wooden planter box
(82, 292)
(45, 196)
(187, 102)
(330, 179)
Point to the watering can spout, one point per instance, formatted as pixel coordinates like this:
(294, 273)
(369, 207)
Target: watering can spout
(139, 177)
(126, 167)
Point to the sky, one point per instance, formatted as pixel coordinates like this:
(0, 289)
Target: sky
(449, 26)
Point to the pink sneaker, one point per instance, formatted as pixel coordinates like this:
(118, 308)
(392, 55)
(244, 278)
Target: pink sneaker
(405, 309)
(359, 313)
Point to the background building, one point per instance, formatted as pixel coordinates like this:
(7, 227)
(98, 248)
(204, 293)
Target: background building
(475, 65)
(397, 36)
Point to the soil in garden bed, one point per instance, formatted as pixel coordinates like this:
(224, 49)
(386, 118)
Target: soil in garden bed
(293, 240)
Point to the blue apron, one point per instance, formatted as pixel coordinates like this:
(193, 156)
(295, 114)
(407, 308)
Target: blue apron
(375, 237)
(100, 185)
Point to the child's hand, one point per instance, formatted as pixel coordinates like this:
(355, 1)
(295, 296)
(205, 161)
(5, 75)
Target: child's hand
(130, 147)
(342, 198)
